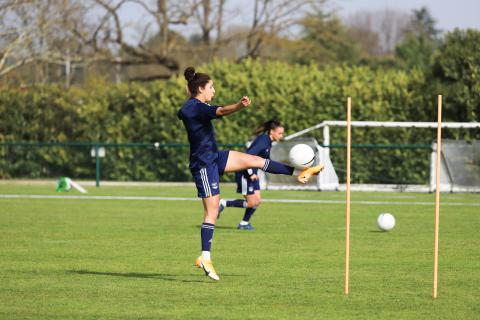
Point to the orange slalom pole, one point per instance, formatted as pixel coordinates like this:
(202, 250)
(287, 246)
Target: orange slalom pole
(347, 214)
(437, 197)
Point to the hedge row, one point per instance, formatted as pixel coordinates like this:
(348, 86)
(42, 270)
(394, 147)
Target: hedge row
(300, 96)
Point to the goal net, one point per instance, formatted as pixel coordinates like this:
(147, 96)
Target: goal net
(459, 166)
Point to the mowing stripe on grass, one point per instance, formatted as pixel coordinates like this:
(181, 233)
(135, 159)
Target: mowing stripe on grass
(136, 198)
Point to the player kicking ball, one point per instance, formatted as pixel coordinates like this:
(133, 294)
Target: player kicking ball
(248, 181)
(207, 163)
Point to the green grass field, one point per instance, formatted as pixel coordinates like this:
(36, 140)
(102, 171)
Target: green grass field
(133, 259)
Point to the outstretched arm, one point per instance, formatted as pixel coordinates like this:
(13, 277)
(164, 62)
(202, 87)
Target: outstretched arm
(226, 110)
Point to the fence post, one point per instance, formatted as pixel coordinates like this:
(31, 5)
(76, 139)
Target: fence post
(326, 140)
(97, 165)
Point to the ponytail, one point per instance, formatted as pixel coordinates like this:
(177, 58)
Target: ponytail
(267, 126)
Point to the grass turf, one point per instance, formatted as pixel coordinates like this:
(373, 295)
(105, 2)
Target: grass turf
(118, 259)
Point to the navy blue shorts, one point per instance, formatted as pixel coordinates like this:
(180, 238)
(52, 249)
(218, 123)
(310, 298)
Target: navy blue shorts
(246, 186)
(207, 179)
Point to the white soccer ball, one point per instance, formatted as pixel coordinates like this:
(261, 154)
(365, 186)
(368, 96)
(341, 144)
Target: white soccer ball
(386, 221)
(301, 156)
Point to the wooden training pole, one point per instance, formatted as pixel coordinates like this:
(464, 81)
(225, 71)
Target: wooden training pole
(347, 214)
(437, 196)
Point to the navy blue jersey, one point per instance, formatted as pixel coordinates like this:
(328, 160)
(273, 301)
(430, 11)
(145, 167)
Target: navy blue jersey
(197, 118)
(260, 147)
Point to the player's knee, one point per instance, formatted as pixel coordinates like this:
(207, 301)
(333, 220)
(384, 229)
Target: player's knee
(257, 162)
(251, 203)
(211, 217)
(211, 212)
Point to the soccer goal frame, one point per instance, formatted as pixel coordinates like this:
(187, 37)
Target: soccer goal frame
(448, 184)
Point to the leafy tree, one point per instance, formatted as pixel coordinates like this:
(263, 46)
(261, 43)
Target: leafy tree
(422, 23)
(420, 41)
(326, 40)
(457, 70)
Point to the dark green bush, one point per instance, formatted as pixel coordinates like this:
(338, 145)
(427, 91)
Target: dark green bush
(300, 96)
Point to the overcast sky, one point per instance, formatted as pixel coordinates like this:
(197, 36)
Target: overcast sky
(449, 14)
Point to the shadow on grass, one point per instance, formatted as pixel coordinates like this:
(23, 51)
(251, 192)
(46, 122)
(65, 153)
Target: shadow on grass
(378, 231)
(219, 227)
(226, 227)
(161, 276)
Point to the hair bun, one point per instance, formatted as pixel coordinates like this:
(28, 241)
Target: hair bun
(189, 73)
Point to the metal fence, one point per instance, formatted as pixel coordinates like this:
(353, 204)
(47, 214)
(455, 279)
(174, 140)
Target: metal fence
(408, 164)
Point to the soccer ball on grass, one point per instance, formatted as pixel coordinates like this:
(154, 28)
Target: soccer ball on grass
(386, 221)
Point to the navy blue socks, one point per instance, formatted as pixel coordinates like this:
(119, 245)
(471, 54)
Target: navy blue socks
(248, 213)
(207, 235)
(239, 203)
(277, 167)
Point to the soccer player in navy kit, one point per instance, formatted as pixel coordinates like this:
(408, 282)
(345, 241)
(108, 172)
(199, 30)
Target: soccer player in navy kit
(248, 182)
(207, 163)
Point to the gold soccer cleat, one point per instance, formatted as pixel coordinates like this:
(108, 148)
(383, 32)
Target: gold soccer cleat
(306, 174)
(207, 267)
(198, 262)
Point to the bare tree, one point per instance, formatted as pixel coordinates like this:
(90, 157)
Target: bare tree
(209, 17)
(45, 30)
(389, 25)
(272, 17)
(107, 37)
(71, 33)
(38, 32)
(360, 27)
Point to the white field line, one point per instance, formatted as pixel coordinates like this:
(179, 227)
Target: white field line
(423, 203)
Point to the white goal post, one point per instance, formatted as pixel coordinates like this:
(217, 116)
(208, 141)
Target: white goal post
(449, 166)
(328, 180)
